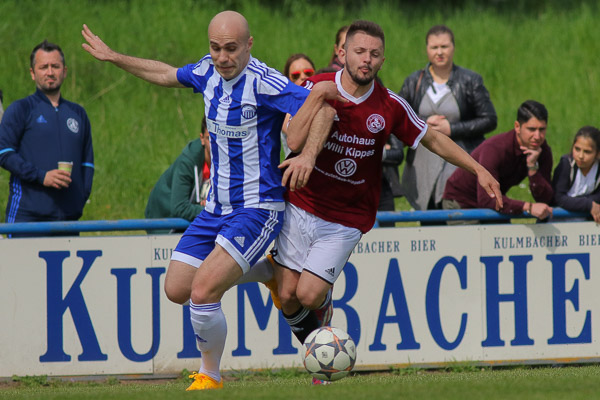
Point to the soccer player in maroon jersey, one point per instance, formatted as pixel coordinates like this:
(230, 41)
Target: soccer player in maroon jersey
(327, 215)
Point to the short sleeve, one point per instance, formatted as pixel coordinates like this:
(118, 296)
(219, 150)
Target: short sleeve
(196, 75)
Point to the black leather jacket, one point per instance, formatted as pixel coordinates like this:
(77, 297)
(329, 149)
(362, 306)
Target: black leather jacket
(392, 158)
(477, 113)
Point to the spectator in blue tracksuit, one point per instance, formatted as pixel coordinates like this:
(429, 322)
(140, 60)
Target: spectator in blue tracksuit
(35, 134)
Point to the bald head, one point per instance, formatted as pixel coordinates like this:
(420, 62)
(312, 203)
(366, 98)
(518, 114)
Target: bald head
(230, 43)
(230, 22)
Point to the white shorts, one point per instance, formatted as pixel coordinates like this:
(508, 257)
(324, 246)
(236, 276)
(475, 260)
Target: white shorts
(307, 242)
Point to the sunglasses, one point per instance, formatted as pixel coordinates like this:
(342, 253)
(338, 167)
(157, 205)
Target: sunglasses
(308, 72)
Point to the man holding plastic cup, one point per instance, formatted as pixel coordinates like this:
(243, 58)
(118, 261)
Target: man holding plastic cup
(46, 145)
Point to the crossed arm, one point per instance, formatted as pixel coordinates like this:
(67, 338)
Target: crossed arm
(156, 72)
(308, 132)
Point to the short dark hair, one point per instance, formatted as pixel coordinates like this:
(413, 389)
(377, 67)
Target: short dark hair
(530, 109)
(294, 57)
(203, 126)
(589, 132)
(368, 27)
(47, 47)
(439, 30)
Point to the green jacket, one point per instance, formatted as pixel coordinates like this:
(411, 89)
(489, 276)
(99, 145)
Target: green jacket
(173, 196)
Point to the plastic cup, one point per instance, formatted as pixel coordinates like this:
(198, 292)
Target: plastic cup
(65, 166)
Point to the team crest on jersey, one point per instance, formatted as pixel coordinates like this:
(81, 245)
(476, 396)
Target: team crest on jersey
(73, 125)
(248, 111)
(345, 167)
(226, 99)
(375, 123)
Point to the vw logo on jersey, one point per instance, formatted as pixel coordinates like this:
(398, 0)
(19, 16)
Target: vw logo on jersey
(345, 167)
(375, 123)
(73, 125)
(226, 99)
(248, 111)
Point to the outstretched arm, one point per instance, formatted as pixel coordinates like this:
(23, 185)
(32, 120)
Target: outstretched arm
(445, 147)
(152, 71)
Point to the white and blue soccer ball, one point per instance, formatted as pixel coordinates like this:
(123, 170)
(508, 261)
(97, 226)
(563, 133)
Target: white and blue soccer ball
(328, 353)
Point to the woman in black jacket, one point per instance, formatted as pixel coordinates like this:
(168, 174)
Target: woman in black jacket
(452, 100)
(576, 179)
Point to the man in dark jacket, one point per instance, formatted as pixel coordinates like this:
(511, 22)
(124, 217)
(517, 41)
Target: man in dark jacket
(37, 133)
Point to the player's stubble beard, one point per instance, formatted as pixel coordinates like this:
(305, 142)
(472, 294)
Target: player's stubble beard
(362, 81)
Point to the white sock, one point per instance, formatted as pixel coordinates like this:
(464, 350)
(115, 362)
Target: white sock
(262, 271)
(210, 328)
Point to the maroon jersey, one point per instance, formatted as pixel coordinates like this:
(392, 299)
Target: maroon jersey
(345, 185)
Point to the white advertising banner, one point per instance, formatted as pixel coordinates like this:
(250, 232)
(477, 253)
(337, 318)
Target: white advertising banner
(408, 296)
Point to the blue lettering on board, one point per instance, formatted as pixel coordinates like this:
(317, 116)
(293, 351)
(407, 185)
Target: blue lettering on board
(123, 276)
(493, 298)
(395, 290)
(432, 301)
(560, 296)
(74, 302)
(352, 318)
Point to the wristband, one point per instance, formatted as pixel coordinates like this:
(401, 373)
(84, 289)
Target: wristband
(534, 167)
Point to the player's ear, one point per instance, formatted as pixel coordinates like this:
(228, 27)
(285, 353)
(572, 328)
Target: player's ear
(250, 42)
(342, 55)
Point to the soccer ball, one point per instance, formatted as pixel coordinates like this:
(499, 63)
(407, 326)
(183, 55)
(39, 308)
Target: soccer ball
(328, 353)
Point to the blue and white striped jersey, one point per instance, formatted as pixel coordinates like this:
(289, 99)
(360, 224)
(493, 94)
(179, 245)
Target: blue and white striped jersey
(244, 117)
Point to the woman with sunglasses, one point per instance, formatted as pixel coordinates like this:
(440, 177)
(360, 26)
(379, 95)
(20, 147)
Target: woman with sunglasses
(298, 68)
(452, 100)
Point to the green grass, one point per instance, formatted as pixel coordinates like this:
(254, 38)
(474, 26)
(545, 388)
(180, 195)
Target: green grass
(514, 383)
(540, 50)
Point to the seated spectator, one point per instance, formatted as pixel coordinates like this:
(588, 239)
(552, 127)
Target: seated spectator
(182, 189)
(576, 179)
(298, 68)
(337, 62)
(510, 157)
(452, 100)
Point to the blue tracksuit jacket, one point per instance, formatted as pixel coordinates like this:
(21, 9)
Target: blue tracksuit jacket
(34, 136)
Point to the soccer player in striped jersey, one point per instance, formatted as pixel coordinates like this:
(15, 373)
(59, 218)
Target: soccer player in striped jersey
(245, 103)
(327, 214)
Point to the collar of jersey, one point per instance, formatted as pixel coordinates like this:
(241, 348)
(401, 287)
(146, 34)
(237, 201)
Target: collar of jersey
(355, 100)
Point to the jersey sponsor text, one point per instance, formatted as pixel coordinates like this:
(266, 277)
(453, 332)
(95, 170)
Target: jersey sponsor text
(228, 131)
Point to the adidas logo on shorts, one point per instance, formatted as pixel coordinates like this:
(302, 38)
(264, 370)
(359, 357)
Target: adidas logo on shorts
(240, 240)
(331, 271)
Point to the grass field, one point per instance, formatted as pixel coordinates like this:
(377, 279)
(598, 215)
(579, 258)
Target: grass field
(544, 50)
(514, 383)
